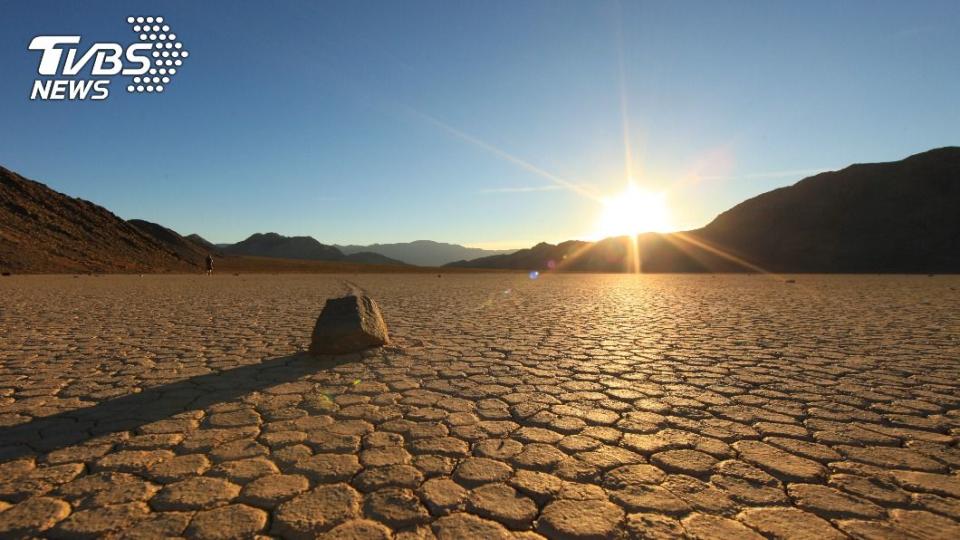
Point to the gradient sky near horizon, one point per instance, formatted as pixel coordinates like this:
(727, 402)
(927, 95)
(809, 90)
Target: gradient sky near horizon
(379, 121)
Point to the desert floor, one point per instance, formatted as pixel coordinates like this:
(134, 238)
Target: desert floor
(574, 406)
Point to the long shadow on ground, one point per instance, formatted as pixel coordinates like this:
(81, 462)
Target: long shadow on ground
(129, 412)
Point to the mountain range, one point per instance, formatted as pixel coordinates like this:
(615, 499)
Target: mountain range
(425, 252)
(42, 230)
(899, 216)
(300, 247)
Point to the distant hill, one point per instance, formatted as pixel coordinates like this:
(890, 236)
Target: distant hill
(367, 257)
(901, 216)
(203, 243)
(883, 217)
(299, 247)
(424, 252)
(287, 247)
(42, 230)
(542, 256)
(183, 247)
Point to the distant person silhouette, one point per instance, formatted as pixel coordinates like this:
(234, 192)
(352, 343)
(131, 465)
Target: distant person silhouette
(209, 264)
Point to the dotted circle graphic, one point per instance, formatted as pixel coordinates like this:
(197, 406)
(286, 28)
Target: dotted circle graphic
(167, 52)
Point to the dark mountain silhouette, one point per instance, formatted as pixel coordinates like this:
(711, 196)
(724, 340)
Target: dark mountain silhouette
(367, 257)
(542, 256)
(185, 248)
(883, 217)
(42, 230)
(886, 217)
(424, 252)
(299, 247)
(899, 216)
(203, 243)
(287, 247)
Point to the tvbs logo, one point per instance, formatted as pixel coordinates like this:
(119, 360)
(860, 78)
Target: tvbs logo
(69, 74)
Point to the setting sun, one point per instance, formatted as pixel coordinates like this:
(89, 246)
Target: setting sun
(634, 211)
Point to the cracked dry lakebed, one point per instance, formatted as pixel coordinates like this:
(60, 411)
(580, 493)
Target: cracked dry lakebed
(568, 406)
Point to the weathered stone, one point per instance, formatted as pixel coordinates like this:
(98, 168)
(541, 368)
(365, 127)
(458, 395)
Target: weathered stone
(348, 324)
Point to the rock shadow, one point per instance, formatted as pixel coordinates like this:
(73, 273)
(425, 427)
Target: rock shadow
(130, 412)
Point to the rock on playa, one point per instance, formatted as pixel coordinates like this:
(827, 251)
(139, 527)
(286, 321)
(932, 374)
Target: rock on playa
(348, 324)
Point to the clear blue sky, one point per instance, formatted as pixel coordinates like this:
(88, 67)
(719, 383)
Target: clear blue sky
(328, 119)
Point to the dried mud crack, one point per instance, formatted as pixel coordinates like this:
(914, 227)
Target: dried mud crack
(566, 407)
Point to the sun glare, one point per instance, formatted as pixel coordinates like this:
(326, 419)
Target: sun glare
(634, 211)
